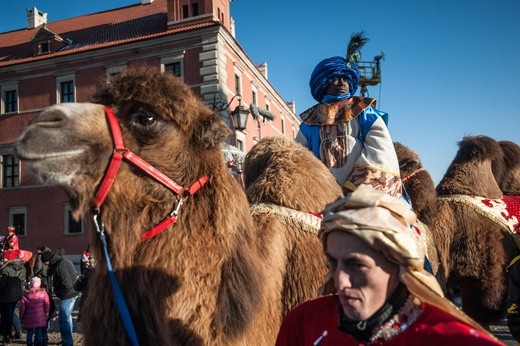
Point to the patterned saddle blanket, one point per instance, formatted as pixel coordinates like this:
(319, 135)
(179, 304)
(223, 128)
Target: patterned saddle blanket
(505, 211)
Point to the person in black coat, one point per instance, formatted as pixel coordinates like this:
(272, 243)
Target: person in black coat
(12, 280)
(63, 276)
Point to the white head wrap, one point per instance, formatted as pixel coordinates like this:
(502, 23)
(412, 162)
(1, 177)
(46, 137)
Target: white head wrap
(384, 223)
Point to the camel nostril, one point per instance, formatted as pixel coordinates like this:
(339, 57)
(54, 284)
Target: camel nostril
(53, 116)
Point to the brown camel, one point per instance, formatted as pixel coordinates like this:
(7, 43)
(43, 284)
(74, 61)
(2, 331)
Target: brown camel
(215, 277)
(474, 249)
(282, 190)
(420, 192)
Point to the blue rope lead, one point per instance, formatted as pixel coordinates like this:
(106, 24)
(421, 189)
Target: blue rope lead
(120, 300)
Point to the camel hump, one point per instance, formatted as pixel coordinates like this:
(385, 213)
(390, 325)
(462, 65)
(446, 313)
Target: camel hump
(280, 171)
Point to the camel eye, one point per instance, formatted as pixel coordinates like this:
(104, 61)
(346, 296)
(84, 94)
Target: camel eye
(146, 120)
(141, 117)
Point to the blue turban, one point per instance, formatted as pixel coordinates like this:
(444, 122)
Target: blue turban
(328, 69)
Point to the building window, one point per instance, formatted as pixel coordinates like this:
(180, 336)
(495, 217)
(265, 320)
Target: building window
(174, 68)
(283, 125)
(72, 226)
(238, 87)
(195, 9)
(67, 91)
(240, 144)
(43, 48)
(174, 63)
(254, 98)
(10, 171)
(185, 13)
(18, 219)
(10, 101)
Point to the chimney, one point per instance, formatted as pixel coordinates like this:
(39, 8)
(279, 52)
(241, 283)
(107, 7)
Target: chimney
(35, 18)
(292, 105)
(263, 69)
(232, 26)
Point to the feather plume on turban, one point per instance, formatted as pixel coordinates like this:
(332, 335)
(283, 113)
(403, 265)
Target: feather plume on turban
(384, 223)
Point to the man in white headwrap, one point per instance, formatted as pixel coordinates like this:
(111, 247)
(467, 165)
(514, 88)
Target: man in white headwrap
(384, 296)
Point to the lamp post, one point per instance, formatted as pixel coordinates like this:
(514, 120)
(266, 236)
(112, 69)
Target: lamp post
(238, 115)
(220, 106)
(238, 122)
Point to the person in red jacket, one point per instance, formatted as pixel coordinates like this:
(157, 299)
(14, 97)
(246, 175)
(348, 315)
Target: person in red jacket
(10, 242)
(34, 308)
(384, 294)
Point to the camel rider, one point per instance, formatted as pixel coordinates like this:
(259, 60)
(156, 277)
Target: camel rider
(346, 132)
(10, 242)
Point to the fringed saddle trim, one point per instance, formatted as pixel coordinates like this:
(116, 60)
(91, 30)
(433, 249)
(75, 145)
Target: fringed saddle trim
(291, 217)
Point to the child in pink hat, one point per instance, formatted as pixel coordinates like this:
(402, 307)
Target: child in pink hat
(34, 308)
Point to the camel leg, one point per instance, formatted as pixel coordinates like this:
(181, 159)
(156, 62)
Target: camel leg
(483, 301)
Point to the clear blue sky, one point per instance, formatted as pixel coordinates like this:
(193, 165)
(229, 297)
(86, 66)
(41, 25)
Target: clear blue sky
(451, 69)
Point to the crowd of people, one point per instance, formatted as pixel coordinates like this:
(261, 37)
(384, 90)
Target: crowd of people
(26, 294)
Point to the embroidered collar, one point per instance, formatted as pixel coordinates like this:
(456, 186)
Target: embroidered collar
(336, 112)
(398, 323)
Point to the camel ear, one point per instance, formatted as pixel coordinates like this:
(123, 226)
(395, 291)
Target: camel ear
(211, 131)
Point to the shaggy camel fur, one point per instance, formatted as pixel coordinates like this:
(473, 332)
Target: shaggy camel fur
(419, 189)
(510, 184)
(283, 185)
(473, 249)
(214, 277)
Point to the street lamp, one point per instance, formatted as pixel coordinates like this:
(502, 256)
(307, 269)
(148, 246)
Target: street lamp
(239, 114)
(240, 117)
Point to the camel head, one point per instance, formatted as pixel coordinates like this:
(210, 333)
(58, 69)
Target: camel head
(477, 169)
(409, 162)
(510, 184)
(417, 182)
(161, 121)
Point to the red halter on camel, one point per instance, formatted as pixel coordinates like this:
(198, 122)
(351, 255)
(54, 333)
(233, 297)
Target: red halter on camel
(121, 152)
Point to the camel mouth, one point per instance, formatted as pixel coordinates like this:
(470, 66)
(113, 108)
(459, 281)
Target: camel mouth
(51, 168)
(35, 156)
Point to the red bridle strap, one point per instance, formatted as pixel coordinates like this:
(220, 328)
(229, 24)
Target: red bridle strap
(405, 179)
(121, 152)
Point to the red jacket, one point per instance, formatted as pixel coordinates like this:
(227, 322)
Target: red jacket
(11, 242)
(307, 322)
